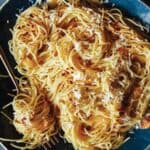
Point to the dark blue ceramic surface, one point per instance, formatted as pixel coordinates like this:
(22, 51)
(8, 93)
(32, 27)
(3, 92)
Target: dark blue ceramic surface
(140, 140)
(134, 8)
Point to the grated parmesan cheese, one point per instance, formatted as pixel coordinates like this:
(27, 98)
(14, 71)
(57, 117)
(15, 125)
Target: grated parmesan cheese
(77, 93)
(77, 46)
(77, 76)
(107, 97)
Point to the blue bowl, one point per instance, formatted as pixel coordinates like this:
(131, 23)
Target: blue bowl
(140, 140)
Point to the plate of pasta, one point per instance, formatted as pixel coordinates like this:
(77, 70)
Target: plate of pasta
(83, 70)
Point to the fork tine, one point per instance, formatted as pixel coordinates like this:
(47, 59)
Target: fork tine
(56, 139)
